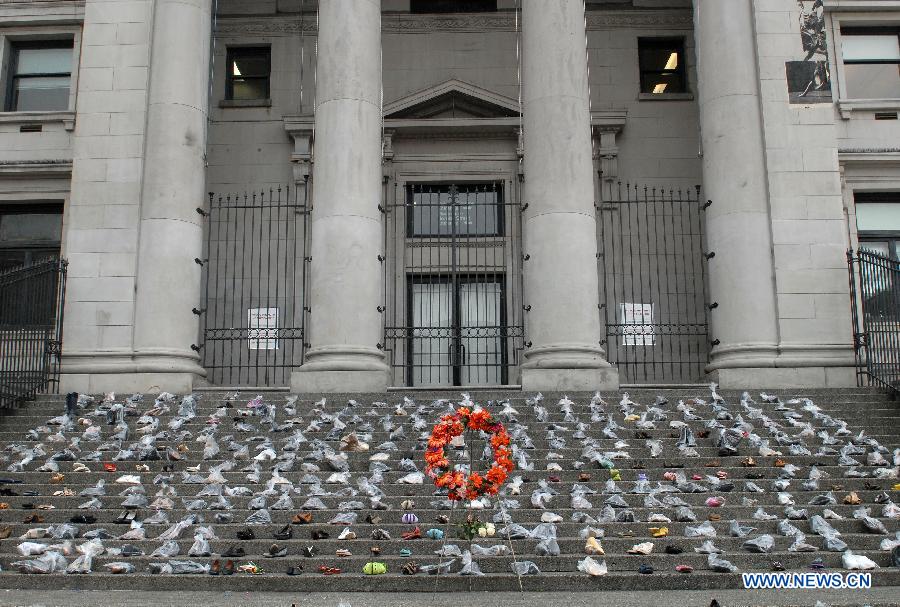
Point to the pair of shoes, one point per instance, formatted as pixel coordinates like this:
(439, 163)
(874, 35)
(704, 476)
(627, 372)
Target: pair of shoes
(33, 518)
(779, 463)
(285, 533)
(442, 519)
(57, 478)
(5, 532)
(303, 518)
(852, 499)
(329, 570)
(126, 518)
(318, 534)
(83, 519)
(410, 568)
(295, 570)
(672, 549)
(777, 566)
(405, 552)
(245, 534)
(748, 462)
(375, 568)
(342, 552)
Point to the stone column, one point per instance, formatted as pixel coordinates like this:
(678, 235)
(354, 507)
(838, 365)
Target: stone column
(174, 182)
(346, 282)
(738, 224)
(560, 232)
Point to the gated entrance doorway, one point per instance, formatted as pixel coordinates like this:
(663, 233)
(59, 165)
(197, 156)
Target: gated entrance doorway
(453, 284)
(653, 273)
(254, 285)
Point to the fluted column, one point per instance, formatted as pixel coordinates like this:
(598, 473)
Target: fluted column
(738, 224)
(560, 232)
(174, 182)
(346, 282)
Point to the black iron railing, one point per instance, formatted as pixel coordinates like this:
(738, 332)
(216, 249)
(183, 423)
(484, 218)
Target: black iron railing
(254, 286)
(653, 274)
(31, 318)
(875, 294)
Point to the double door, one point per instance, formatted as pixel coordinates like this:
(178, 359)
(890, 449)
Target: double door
(457, 332)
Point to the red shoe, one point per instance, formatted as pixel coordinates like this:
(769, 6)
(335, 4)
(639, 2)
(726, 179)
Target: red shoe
(109, 467)
(415, 534)
(329, 570)
(684, 569)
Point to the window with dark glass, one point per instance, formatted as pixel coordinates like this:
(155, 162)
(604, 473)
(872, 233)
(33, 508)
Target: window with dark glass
(661, 62)
(249, 73)
(871, 59)
(452, 6)
(40, 76)
(447, 210)
(878, 222)
(29, 234)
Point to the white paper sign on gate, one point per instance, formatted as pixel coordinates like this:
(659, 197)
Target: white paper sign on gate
(637, 321)
(262, 326)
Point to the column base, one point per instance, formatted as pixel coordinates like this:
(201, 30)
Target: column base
(784, 377)
(336, 382)
(157, 371)
(570, 380)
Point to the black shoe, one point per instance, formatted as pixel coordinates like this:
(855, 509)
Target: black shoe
(645, 569)
(234, 551)
(895, 556)
(295, 570)
(246, 534)
(285, 533)
(308, 551)
(670, 549)
(276, 551)
(320, 535)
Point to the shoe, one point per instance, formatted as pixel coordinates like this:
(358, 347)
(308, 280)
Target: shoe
(442, 519)
(33, 518)
(714, 501)
(214, 568)
(295, 570)
(777, 566)
(126, 518)
(57, 478)
(405, 553)
(434, 534)
(415, 534)
(712, 464)
(644, 548)
(308, 551)
(318, 534)
(584, 477)
(895, 556)
(229, 568)
(276, 551)
(375, 550)
(234, 551)
(285, 533)
(381, 535)
(672, 549)
(592, 546)
(304, 518)
(373, 519)
(409, 518)
(714, 517)
(659, 531)
(852, 499)
(375, 568)
(407, 505)
(329, 570)
(684, 569)
(4, 506)
(343, 552)
(817, 564)
(748, 462)
(410, 568)
(246, 534)
(109, 467)
(5, 532)
(779, 463)
(645, 569)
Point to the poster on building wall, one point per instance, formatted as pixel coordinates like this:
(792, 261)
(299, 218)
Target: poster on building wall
(262, 324)
(637, 321)
(808, 76)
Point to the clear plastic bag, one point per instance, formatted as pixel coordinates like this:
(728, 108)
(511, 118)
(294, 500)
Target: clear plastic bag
(857, 561)
(525, 568)
(200, 546)
(705, 529)
(469, 566)
(719, 564)
(50, 562)
(592, 567)
(762, 544)
(167, 550)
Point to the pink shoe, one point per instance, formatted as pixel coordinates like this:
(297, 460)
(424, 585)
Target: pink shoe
(715, 502)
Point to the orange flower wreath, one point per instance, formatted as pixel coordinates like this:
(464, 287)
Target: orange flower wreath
(458, 485)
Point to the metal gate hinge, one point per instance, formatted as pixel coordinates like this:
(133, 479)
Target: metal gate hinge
(196, 348)
(380, 346)
(715, 342)
(707, 205)
(197, 311)
(307, 259)
(202, 212)
(710, 255)
(200, 262)
(527, 344)
(526, 257)
(713, 305)
(381, 309)
(381, 258)
(527, 308)
(307, 309)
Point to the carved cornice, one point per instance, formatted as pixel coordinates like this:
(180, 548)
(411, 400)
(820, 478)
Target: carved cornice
(474, 22)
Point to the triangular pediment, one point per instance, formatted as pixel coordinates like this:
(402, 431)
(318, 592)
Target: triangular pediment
(452, 99)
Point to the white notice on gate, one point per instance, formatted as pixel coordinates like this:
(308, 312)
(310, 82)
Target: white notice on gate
(262, 324)
(637, 321)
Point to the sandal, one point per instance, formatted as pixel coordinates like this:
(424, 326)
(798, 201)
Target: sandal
(684, 569)
(415, 534)
(779, 463)
(748, 462)
(109, 467)
(410, 568)
(329, 570)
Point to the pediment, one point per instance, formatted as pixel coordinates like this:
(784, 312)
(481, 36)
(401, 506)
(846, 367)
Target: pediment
(452, 99)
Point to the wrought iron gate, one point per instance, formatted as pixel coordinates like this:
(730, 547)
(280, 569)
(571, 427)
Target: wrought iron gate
(453, 284)
(875, 293)
(653, 273)
(31, 320)
(254, 283)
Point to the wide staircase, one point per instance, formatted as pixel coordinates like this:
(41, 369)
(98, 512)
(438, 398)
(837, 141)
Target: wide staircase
(576, 441)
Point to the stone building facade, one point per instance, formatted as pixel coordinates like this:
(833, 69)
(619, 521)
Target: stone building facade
(428, 182)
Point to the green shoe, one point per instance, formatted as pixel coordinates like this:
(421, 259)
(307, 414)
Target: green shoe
(375, 568)
(405, 552)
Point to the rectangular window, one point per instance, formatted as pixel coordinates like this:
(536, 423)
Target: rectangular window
(41, 75)
(249, 72)
(452, 6)
(878, 222)
(448, 210)
(29, 234)
(661, 62)
(871, 62)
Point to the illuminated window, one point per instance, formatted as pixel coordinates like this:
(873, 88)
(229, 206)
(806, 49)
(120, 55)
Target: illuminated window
(661, 62)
